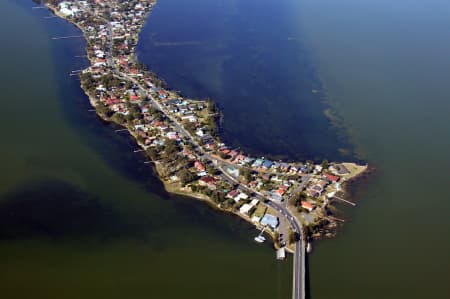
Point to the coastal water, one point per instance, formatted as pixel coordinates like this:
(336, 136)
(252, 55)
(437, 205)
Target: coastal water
(80, 215)
(383, 67)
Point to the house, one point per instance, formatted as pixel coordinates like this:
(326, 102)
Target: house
(233, 154)
(270, 220)
(267, 164)
(208, 181)
(254, 202)
(233, 171)
(236, 195)
(240, 196)
(210, 146)
(172, 135)
(331, 177)
(318, 169)
(199, 166)
(341, 169)
(202, 173)
(304, 169)
(281, 190)
(245, 209)
(257, 163)
(134, 98)
(225, 151)
(306, 205)
(232, 194)
(276, 196)
(284, 166)
(200, 133)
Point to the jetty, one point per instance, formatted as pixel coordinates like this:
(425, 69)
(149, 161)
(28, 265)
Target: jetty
(66, 37)
(332, 195)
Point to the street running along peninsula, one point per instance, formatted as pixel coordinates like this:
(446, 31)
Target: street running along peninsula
(180, 137)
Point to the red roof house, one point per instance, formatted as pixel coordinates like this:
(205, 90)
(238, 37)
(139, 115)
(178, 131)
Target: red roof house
(199, 166)
(307, 205)
(331, 177)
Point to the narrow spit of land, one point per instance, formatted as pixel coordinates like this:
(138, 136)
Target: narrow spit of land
(180, 137)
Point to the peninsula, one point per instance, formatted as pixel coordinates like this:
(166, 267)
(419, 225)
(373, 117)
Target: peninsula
(289, 201)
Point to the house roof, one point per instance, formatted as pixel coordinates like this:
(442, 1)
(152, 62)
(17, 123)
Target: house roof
(209, 180)
(307, 205)
(331, 177)
(270, 220)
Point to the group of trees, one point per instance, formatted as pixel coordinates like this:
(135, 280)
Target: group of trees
(297, 198)
(88, 82)
(246, 173)
(186, 177)
(102, 109)
(171, 149)
(152, 153)
(109, 81)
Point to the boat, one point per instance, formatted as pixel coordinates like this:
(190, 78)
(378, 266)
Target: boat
(260, 239)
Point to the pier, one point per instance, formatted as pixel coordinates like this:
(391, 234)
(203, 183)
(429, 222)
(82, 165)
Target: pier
(66, 37)
(332, 195)
(344, 200)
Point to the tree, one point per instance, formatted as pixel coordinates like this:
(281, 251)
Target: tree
(186, 176)
(171, 148)
(102, 109)
(140, 139)
(325, 164)
(293, 237)
(194, 188)
(246, 173)
(118, 118)
(152, 153)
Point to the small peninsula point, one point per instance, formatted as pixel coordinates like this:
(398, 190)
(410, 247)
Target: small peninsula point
(287, 200)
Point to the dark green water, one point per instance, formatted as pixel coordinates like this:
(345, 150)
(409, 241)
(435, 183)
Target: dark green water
(80, 215)
(385, 68)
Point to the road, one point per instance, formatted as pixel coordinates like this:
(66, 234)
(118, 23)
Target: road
(299, 252)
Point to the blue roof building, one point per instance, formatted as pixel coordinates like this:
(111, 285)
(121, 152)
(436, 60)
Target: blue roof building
(267, 164)
(270, 220)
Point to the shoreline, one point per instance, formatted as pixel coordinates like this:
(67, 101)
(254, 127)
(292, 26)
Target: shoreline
(158, 167)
